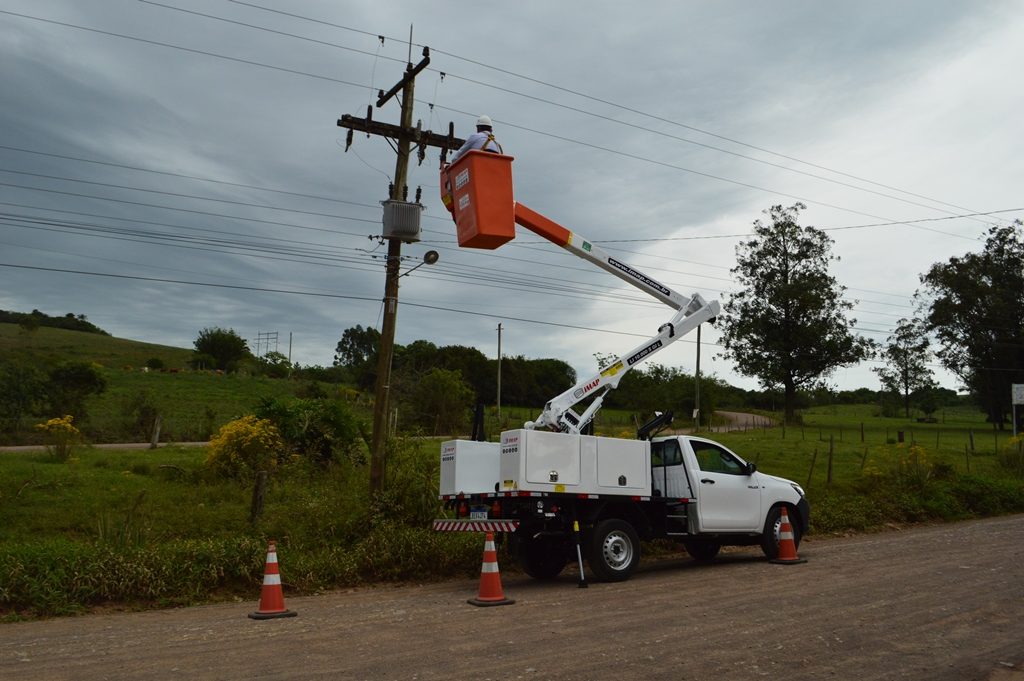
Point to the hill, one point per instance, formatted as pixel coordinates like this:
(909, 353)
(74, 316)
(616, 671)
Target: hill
(49, 345)
(192, 404)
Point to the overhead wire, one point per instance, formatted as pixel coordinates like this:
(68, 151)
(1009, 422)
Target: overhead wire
(234, 217)
(631, 110)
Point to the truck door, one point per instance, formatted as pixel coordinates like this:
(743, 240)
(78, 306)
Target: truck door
(668, 477)
(727, 498)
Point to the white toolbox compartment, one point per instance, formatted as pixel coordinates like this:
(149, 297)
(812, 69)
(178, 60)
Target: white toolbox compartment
(469, 467)
(542, 461)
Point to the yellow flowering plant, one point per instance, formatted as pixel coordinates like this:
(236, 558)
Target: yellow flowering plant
(62, 435)
(244, 446)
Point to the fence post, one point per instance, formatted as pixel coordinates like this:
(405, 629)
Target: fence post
(864, 459)
(814, 459)
(862, 432)
(970, 434)
(967, 457)
(156, 432)
(259, 490)
(831, 451)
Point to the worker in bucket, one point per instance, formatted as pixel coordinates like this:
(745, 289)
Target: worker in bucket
(482, 139)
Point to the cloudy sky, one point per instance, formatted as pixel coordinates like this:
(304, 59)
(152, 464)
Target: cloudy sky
(189, 150)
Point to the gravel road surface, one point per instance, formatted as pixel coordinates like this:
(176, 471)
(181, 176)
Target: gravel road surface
(934, 602)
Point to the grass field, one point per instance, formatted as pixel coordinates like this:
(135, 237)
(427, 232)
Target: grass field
(192, 404)
(155, 527)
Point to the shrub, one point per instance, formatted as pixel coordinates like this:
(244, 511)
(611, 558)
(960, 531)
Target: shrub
(319, 430)
(62, 436)
(244, 446)
(139, 412)
(1011, 457)
(154, 363)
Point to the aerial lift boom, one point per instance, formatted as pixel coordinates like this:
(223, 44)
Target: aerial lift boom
(477, 189)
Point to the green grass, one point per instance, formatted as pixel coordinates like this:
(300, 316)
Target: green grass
(152, 528)
(192, 404)
(51, 345)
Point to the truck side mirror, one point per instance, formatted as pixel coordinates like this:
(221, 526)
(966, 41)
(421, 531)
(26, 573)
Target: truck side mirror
(751, 468)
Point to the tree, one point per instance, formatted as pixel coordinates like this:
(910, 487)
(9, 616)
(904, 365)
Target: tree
(787, 324)
(440, 402)
(357, 352)
(274, 364)
(224, 346)
(22, 393)
(906, 352)
(70, 383)
(974, 304)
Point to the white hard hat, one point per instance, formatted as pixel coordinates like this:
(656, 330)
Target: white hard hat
(484, 120)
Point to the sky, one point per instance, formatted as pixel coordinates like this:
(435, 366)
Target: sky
(171, 166)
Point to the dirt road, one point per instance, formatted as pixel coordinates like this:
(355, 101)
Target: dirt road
(939, 602)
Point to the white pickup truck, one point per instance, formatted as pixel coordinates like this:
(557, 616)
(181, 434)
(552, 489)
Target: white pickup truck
(562, 493)
(552, 490)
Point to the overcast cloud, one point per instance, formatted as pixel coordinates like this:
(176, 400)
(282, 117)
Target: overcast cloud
(606, 109)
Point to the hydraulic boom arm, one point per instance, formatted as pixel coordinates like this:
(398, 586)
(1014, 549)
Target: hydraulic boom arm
(477, 189)
(690, 312)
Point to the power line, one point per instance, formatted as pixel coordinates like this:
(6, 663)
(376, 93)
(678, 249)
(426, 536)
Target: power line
(185, 49)
(552, 135)
(189, 177)
(625, 108)
(247, 204)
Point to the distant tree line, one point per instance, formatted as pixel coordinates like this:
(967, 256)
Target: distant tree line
(30, 321)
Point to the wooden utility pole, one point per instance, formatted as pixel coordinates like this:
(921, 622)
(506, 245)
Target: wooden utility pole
(499, 373)
(406, 136)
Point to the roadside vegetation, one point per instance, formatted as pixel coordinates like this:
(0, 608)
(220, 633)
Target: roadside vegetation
(287, 459)
(174, 526)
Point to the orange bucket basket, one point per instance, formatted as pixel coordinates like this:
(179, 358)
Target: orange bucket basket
(477, 189)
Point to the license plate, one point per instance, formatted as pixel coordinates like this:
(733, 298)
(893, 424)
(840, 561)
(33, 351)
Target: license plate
(478, 515)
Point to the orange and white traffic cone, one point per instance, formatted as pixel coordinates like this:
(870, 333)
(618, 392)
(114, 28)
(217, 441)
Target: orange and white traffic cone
(490, 579)
(787, 546)
(271, 596)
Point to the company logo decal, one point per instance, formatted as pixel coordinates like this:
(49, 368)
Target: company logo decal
(580, 392)
(639, 276)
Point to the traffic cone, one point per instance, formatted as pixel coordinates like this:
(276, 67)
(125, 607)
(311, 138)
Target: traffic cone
(271, 596)
(787, 546)
(490, 578)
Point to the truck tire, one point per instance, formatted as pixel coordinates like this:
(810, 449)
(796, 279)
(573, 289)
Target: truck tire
(702, 550)
(542, 558)
(770, 536)
(613, 550)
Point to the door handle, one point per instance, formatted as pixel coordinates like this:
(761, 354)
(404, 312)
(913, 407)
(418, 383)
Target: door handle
(708, 481)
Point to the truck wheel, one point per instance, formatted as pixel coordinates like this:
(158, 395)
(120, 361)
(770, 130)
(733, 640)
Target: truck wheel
(770, 537)
(542, 558)
(613, 550)
(702, 550)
